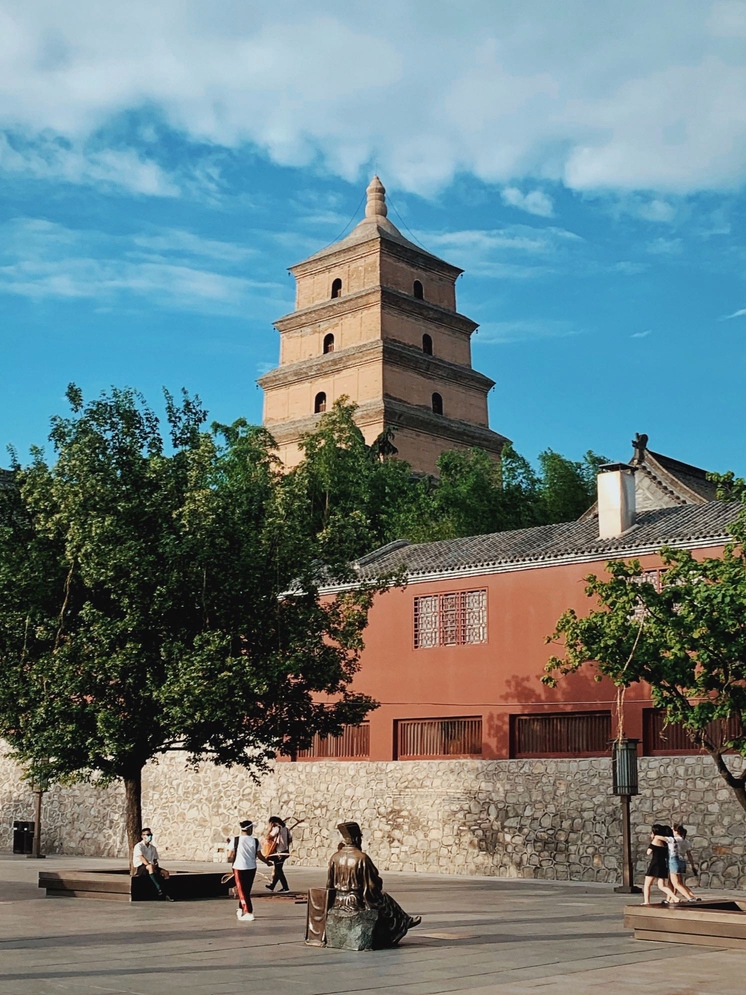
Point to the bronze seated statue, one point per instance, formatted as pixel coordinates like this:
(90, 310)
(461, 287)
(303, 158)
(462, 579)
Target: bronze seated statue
(360, 915)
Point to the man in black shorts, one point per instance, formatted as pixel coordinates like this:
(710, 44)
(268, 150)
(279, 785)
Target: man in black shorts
(145, 863)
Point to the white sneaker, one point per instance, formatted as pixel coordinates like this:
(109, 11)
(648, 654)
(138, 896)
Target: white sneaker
(239, 913)
(247, 917)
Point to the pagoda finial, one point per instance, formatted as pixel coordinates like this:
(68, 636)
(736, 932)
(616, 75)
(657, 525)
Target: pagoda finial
(376, 205)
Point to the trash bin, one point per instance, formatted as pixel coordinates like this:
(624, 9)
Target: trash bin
(23, 837)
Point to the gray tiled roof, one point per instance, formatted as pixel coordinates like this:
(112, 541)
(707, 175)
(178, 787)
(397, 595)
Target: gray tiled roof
(693, 477)
(687, 524)
(376, 228)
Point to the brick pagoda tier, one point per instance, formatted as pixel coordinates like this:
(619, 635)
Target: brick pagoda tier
(375, 320)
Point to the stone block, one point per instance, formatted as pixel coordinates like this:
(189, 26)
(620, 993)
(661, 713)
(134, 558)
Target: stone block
(350, 931)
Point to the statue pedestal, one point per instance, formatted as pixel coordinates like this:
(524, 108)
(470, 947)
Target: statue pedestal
(350, 930)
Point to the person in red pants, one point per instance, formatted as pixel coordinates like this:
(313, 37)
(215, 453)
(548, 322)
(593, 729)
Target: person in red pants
(243, 856)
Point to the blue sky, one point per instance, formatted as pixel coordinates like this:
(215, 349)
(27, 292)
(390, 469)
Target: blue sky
(584, 163)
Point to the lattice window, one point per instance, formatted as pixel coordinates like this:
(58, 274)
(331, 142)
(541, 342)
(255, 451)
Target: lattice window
(354, 742)
(432, 738)
(654, 577)
(560, 734)
(452, 619)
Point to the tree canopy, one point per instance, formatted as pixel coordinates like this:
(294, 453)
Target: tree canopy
(144, 601)
(364, 499)
(162, 592)
(684, 636)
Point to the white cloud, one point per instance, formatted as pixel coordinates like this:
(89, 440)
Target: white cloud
(40, 260)
(603, 97)
(108, 168)
(515, 251)
(500, 332)
(740, 313)
(628, 267)
(641, 335)
(665, 247)
(645, 207)
(534, 202)
(177, 241)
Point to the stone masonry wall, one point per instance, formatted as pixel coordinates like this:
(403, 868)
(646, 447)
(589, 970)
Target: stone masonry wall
(506, 818)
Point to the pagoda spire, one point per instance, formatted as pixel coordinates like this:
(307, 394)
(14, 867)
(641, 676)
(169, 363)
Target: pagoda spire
(376, 204)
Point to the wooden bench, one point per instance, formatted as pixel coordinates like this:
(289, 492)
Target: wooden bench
(119, 886)
(719, 923)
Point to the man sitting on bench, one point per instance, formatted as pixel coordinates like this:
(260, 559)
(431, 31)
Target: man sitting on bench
(145, 863)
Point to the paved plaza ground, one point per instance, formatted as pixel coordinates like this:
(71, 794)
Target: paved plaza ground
(479, 936)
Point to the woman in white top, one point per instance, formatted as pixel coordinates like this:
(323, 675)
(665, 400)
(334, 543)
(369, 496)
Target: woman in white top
(677, 863)
(243, 856)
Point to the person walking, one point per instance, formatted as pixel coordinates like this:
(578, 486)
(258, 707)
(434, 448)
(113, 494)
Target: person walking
(658, 867)
(277, 850)
(244, 856)
(677, 863)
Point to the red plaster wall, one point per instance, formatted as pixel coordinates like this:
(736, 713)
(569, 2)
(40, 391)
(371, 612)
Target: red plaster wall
(493, 679)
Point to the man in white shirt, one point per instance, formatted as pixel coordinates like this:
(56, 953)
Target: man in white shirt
(145, 864)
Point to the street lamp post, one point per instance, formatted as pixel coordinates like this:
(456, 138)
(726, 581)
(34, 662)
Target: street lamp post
(624, 769)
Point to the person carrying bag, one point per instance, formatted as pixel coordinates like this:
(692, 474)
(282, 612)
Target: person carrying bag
(276, 850)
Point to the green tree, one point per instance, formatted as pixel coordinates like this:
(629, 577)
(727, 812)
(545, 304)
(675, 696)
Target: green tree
(685, 638)
(567, 488)
(475, 494)
(355, 499)
(157, 598)
(351, 498)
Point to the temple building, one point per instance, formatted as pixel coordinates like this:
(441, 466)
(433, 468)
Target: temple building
(456, 656)
(375, 320)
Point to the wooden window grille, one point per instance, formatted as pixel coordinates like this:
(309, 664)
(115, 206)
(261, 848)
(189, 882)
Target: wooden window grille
(660, 739)
(560, 734)
(319, 404)
(654, 577)
(433, 738)
(453, 619)
(353, 743)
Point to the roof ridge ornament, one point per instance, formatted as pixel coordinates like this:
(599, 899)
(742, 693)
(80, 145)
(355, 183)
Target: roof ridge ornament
(376, 203)
(640, 444)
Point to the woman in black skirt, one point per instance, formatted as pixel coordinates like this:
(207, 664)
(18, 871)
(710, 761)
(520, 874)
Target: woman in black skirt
(658, 866)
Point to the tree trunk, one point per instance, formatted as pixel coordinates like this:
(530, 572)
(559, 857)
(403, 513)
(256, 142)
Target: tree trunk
(133, 809)
(737, 784)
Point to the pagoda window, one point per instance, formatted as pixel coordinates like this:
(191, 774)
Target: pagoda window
(437, 404)
(336, 288)
(319, 403)
(417, 290)
(328, 343)
(427, 344)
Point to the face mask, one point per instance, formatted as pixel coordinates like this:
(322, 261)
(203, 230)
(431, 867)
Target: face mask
(148, 839)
